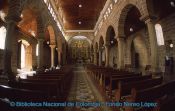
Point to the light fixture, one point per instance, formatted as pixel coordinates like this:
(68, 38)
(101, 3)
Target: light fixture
(112, 41)
(79, 5)
(172, 4)
(131, 29)
(48, 42)
(103, 47)
(21, 15)
(171, 45)
(56, 48)
(79, 22)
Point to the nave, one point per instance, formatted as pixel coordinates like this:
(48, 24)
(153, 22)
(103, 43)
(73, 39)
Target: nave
(83, 90)
(86, 83)
(112, 51)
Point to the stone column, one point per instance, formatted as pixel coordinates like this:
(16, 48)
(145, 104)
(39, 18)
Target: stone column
(52, 54)
(34, 57)
(107, 46)
(40, 53)
(121, 43)
(95, 57)
(153, 45)
(173, 41)
(64, 55)
(13, 17)
(100, 56)
(59, 57)
(128, 53)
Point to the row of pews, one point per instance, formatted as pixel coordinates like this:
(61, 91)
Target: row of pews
(131, 87)
(50, 86)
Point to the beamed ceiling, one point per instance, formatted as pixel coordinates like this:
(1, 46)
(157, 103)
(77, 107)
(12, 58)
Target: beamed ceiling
(87, 14)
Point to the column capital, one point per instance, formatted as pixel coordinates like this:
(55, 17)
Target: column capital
(100, 49)
(11, 18)
(40, 40)
(107, 44)
(52, 46)
(115, 37)
(148, 19)
(120, 39)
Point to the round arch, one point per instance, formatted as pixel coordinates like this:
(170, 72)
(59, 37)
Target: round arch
(123, 16)
(101, 42)
(110, 35)
(79, 49)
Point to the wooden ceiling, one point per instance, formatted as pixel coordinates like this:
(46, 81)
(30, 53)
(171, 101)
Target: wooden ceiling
(3, 4)
(87, 14)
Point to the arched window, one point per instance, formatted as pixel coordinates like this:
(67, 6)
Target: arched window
(159, 34)
(37, 50)
(2, 37)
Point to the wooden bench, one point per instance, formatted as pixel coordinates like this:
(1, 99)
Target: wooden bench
(16, 94)
(50, 88)
(114, 81)
(108, 79)
(154, 94)
(124, 88)
(8, 94)
(168, 104)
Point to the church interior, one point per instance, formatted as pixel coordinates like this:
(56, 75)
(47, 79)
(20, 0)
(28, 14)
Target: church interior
(87, 55)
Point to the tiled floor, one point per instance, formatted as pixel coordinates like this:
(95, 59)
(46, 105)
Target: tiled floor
(83, 90)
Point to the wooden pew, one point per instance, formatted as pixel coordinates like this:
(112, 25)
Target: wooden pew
(8, 94)
(50, 88)
(114, 81)
(108, 79)
(168, 104)
(62, 81)
(16, 94)
(124, 88)
(154, 94)
(4, 104)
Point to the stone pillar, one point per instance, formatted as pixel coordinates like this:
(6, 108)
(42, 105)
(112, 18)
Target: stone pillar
(153, 45)
(107, 46)
(173, 53)
(28, 56)
(34, 57)
(121, 43)
(95, 57)
(63, 55)
(128, 54)
(100, 57)
(59, 57)
(40, 53)
(13, 17)
(52, 55)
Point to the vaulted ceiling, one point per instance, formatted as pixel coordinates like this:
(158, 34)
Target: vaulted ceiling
(80, 14)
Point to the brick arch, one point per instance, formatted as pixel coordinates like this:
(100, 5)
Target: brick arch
(101, 41)
(142, 8)
(96, 46)
(108, 33)
(39, 12)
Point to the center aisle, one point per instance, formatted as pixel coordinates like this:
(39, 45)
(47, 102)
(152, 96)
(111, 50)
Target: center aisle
(83, 90)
